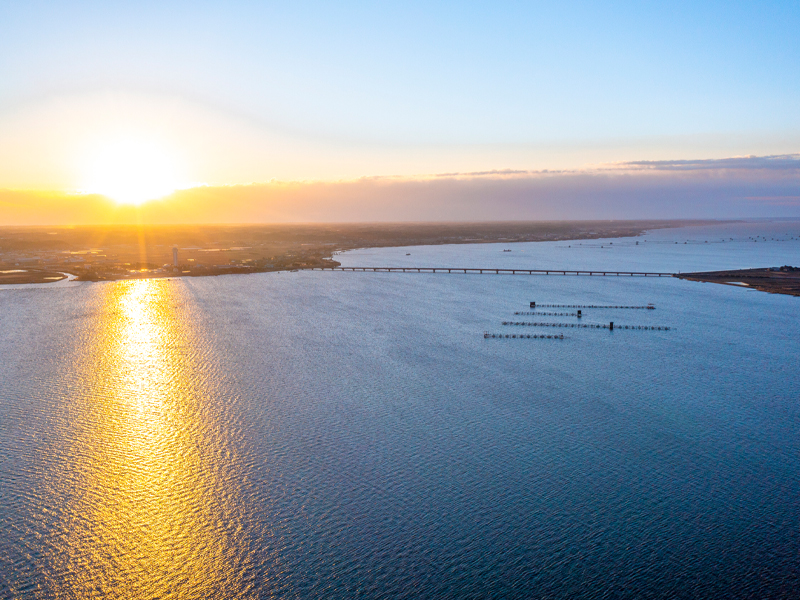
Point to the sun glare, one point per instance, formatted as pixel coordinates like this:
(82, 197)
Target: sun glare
(131, 171)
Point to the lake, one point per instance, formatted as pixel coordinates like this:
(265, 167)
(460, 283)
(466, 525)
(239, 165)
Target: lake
(339, 435)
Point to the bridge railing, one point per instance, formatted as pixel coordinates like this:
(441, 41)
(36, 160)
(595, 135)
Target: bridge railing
(495, 271)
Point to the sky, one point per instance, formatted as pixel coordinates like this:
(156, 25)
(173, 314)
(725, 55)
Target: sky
(520, 109)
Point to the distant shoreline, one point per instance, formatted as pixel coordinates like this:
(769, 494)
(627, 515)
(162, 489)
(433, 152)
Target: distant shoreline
(122, 253)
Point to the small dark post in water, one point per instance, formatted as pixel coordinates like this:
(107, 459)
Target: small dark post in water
(533, 304)
(611, 326)
(579, 314)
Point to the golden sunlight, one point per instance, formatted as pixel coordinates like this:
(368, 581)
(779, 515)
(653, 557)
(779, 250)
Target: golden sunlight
(131, 171)
(151, 520)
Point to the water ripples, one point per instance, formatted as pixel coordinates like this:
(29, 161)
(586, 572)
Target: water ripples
(313, 435)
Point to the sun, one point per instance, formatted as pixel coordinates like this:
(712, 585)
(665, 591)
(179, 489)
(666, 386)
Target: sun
(131, 171)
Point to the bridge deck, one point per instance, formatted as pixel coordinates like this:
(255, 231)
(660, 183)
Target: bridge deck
(493, 271)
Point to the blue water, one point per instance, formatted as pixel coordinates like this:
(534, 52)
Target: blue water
(338, 435)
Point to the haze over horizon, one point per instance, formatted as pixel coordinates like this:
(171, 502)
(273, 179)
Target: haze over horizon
(173, 112)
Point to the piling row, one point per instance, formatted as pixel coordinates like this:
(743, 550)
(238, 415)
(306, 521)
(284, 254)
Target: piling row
(547, 314)
(533, 304)
(587, 325)
(486, 334)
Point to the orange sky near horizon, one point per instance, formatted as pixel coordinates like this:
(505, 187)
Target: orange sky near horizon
(128, 159)
(730, 188)
(134, 147)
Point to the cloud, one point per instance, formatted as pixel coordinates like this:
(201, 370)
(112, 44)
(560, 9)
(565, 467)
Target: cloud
(781, 162)
(726, 188)
(777, 200)
(496, 172)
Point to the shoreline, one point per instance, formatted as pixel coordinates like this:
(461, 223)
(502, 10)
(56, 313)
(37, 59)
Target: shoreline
(120, 254)
(775, 280)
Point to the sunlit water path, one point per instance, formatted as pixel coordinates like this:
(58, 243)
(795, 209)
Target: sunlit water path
(307, 435)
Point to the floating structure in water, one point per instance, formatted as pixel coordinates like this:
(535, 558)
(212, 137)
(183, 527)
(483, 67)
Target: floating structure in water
(533, 305)
(609, 326)
(522, 336)
(549, 314)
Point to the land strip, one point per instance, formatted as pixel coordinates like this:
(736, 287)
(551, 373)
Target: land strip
(775, 280)
(12, 276)
(124, 252)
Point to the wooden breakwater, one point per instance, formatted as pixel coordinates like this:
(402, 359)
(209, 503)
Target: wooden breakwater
(547, 314)
(522, 336)
(534, 305)
(610, 326)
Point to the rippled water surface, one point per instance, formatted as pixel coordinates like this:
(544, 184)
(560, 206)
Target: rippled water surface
(338, 435)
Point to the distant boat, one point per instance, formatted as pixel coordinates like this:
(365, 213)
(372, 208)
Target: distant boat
(408, 253)
(506, 250)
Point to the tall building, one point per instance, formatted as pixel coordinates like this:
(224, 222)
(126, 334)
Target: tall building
(175, 257)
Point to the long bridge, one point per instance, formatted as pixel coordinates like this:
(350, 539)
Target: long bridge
(493, 271)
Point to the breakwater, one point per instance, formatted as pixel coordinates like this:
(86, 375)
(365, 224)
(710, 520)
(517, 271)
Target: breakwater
(588, 325)
(534, 305)
(547, 314)
(521, 336)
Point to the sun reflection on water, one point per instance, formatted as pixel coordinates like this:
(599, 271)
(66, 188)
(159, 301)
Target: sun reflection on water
(156, 516)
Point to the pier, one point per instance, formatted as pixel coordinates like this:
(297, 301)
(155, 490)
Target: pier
(534, 305)
(549, 314)
(522, 336)
(609, 326)
(492, 271)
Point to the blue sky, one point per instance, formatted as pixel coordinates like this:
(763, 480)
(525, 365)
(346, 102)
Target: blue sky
(415, 72)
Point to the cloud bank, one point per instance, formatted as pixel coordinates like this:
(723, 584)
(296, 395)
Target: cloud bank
(782, 162)
(766, 186)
